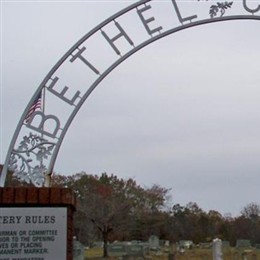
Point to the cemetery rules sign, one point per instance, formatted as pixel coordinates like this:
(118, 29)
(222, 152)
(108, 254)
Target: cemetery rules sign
(33, 233)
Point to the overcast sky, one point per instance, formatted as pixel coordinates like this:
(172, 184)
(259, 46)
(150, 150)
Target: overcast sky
(182, 113)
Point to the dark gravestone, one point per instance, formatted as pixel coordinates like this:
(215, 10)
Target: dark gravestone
(117, 250)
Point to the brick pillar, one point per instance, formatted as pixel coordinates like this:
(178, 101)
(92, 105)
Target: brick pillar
(11, 197)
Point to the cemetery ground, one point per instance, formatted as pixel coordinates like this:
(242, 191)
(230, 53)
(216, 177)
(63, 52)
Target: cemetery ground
(173, 252)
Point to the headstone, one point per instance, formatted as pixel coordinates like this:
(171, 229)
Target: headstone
(98, 244)
(217, 249)
(78, 250)
(186, 244)
(154, 243)
(225, 244)
(243, 243)
(116, 249)
(135, 250)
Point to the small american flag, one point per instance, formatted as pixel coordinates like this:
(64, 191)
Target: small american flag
(37, 104)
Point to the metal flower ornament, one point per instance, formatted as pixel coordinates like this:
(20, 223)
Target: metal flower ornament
(219, 8)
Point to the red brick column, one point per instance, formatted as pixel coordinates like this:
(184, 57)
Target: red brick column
(51, 197)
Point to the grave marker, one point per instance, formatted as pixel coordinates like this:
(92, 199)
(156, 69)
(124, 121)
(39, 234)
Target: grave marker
(154, 242)
(217, 249)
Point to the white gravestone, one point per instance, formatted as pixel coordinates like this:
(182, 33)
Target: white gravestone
(217, 249)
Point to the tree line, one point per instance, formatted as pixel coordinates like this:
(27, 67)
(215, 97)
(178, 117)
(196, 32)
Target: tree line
(110, 208)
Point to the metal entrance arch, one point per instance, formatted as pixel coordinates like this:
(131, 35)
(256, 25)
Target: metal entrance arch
(32, 156)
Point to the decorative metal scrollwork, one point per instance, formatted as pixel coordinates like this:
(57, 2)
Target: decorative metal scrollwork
(21, 159)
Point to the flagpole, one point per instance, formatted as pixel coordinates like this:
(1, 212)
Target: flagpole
(47, 176)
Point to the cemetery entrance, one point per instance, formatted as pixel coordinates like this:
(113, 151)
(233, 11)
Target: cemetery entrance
(40, 132)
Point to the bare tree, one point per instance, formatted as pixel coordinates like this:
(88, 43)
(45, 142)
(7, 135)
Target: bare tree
(251, 211)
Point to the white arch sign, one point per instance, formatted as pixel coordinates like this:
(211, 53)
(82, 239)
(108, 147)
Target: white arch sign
(32, 157)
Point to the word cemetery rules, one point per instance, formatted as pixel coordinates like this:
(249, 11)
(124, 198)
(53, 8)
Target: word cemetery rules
(33, 233)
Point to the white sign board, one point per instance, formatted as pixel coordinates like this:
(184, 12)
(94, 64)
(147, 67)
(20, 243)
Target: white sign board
(33, 233)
